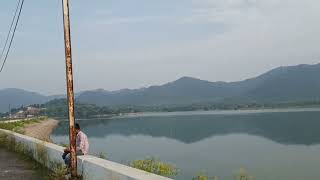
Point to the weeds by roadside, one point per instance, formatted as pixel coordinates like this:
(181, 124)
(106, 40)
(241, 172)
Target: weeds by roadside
(18, 125)
(58, 171)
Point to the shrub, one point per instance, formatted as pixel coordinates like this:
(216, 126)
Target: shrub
(58, 171)
(42, 154)
(201, 176)
(241, 175)
(154, 166)
(103, 155)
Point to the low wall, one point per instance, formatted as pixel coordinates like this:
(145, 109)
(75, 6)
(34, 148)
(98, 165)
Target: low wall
(90, 167)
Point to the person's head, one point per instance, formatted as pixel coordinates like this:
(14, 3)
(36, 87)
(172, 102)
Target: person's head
(77, 127)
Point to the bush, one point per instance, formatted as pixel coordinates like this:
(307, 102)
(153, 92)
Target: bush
(154, 166)
(241, 175)
(201, 176)
(58, 171)
(103, 156)
(42, 154)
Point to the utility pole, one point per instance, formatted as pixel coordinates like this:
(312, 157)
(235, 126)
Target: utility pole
(70, 92)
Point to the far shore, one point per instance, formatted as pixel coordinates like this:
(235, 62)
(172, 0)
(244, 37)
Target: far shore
(217, 112)
(199, 112)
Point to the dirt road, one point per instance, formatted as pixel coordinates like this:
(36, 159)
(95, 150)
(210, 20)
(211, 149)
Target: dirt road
(41, 130)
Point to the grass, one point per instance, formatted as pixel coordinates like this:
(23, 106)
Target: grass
(63, 145)
(42, 154)
(155, 166)
(241, 175)
(58, 171)
(202, 176)
(102, 156)
(18, 125)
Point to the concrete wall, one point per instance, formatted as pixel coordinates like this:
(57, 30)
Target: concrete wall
(90, 167)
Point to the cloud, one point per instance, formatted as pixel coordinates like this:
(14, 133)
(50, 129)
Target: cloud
(264, 34)
(233, 12)
(129, 20)
(141, 43)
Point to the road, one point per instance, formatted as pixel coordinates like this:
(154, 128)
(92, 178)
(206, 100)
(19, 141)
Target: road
(41, 130)
(13, 168)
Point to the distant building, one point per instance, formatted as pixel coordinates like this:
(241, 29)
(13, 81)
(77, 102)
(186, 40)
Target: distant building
(28, 112)
(20, 114)
(33, 111)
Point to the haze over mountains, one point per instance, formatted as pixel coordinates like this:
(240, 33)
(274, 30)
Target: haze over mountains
(284, 84)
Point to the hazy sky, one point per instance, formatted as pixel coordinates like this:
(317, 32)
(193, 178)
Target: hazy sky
(131, 44)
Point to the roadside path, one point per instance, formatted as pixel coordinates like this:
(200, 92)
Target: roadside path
(12, 168)
(41, 130)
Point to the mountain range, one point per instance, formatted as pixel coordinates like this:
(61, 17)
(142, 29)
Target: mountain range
(284, 84)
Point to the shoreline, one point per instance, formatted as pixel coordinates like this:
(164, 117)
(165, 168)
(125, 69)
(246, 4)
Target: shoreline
(219, 112)
(41, 130)
(201, 112)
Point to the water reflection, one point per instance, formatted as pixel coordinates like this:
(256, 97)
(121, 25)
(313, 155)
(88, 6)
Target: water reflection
(301, 128)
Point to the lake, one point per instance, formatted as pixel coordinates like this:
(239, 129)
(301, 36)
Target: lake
(270, 145)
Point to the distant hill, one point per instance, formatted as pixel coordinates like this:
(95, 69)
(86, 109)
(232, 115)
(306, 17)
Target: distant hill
(293, 83)
(17, 97)
(185, 90)
(284, 84)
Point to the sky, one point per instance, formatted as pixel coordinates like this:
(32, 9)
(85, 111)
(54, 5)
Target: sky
(132, 44)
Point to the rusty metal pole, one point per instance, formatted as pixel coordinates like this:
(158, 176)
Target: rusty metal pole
(70, 92)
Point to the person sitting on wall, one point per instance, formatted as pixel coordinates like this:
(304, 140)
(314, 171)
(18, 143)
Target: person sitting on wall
(82, 146)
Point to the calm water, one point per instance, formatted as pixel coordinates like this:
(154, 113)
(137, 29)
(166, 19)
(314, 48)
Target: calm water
(270, 145)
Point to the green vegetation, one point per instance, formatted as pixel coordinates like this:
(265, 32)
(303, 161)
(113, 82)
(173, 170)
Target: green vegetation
(64, 145)
(241, 175)
(154, 166)
(203, 176)
(58, 108)
(58, 171)
(18, 125)
(103, 156)
(42, 154)
(224, 106)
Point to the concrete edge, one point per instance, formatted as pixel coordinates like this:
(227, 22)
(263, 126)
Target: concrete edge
(89, 167)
